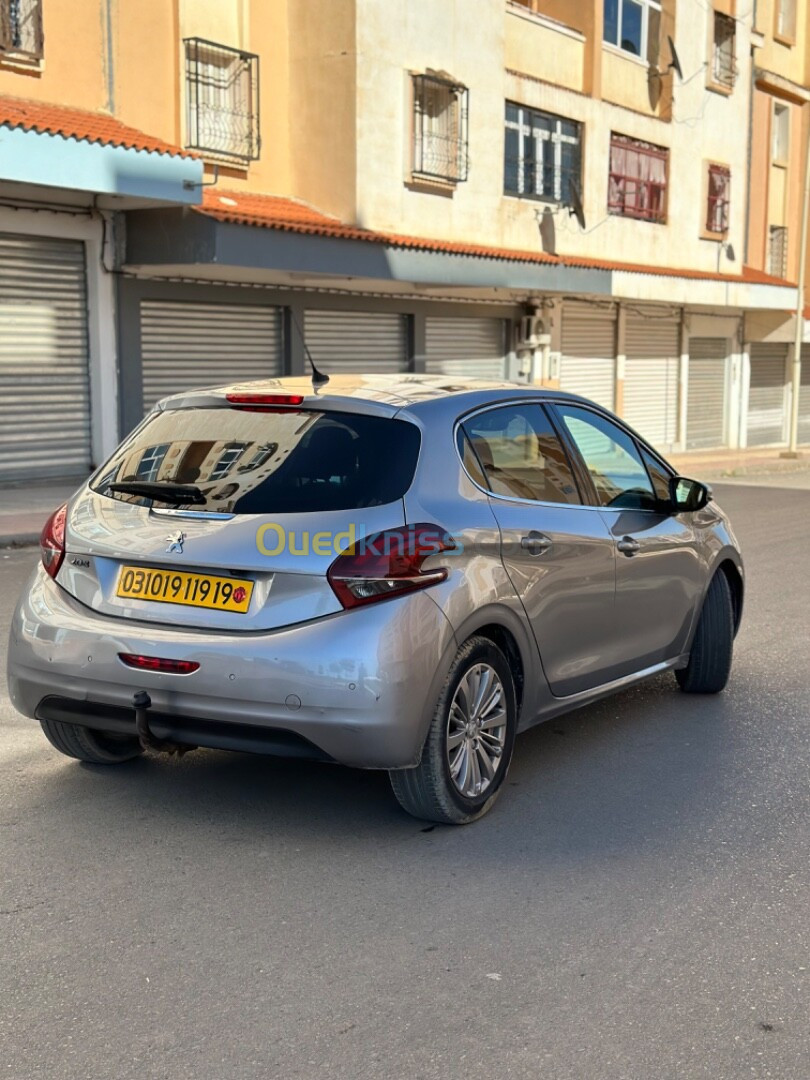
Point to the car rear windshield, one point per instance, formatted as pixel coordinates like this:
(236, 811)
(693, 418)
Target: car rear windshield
(285, 461)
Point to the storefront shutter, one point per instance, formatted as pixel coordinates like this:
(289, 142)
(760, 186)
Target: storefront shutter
(189, 344)
(767, 396)
(706, 393)
(44, 362)
(362, 341)
(651, 376)
(588, 364)
(466, 348)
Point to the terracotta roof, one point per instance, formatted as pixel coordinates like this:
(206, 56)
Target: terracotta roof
(81, 125)
(289, 215)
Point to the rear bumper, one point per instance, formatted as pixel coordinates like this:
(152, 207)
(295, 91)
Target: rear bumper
(357, 687)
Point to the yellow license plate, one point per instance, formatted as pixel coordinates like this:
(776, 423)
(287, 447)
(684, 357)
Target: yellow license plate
(180, 587)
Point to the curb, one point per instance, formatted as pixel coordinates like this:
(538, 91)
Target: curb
(19, 540)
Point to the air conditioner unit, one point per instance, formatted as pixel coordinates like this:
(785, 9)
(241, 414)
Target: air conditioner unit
(530, 331)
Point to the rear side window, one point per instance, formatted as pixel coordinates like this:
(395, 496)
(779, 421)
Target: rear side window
(521, 455)
(268, 462)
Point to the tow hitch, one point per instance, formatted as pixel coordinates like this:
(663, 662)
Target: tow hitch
(142, 703)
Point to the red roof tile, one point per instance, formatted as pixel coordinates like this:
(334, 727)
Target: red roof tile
(288, 215)
(81, 125)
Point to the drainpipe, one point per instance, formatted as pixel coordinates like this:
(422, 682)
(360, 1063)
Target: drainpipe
(796, 383)
(749, 150)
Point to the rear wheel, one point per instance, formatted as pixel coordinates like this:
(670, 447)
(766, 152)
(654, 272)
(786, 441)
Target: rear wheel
(469, 745)
(96, 747)
(710, 659)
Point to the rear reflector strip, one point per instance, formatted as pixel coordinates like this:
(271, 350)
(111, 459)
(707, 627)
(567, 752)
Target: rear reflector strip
(158, 663)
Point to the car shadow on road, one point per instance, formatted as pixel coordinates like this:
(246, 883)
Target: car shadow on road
(628, 772)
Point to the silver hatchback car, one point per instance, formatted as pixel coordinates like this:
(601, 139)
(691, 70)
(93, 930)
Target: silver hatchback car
(391, 572)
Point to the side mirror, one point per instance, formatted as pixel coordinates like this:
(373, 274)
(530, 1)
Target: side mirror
(688, 496)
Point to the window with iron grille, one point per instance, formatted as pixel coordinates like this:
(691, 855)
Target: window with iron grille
(440, 133)
(543, 154)
(724, 66)
(637, 185)
(222, 100)
(777, 250)
(719, 199)
(21, 27)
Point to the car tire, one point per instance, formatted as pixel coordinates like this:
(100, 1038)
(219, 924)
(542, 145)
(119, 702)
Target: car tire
(442, 787)
(710, 658)
(96, 747)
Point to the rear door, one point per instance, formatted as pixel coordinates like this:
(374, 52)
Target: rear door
(659, 564)
(558, 553)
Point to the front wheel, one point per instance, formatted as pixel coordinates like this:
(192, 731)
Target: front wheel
(84, 744)
(469, 745)
(710, 658)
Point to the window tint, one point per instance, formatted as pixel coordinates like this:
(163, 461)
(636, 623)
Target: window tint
(659, 475)
(521, 454)
(611, 457)
(282, 462)
(469, 459)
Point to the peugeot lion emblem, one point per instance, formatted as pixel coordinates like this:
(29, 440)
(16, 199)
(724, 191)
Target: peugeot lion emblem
(176, 541)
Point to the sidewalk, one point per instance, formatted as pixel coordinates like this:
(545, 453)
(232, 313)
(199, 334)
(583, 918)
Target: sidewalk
(24, 510)
(714, 464)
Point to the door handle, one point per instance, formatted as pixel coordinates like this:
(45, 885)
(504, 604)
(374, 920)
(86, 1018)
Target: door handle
(628, 546)
(535, 543)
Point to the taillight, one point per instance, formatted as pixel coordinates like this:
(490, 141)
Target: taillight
(159, 663)
(388, 564)
(52, 541)
(251, 402)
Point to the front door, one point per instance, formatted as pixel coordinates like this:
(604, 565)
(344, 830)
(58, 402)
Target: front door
(558, 552)
(659, 571)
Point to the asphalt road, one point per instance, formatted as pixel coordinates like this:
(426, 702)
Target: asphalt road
(636, 906)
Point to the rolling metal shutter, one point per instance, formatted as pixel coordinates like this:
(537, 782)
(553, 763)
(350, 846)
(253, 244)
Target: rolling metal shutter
(367, 341)
(44, 361)
(186, 344)
(767, 396)
(588, 364)
(651, 377)
(804, 398)
(706, 393)
(466, 348)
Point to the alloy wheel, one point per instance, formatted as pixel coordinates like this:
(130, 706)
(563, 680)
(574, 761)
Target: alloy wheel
(476, 730)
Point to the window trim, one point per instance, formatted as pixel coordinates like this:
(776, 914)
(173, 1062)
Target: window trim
(642, 147)
(556, 138)
(645, 29)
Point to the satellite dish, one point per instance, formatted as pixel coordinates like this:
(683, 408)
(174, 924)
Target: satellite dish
(548, 231)
(674, 64)
(576, 204)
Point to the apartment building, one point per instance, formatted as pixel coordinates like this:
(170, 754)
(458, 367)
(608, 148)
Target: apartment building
(549, 190)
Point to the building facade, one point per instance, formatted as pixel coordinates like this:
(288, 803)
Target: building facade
(584, 194)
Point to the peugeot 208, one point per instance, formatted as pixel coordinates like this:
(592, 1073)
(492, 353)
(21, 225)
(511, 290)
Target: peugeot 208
(389, 572)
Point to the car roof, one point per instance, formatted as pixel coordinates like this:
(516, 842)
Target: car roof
(385, 394)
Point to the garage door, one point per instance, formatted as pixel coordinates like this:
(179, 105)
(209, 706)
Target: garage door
(368, 341)
(466, 348)
(188, 344)
(706, 394)
(651, 377)
(767, 396)
(587, 364)
(804, 398)
(44, 365)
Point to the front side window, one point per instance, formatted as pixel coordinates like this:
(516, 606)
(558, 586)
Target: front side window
(634, 26)
(719, 199)
(637, 185)
(724, 67)
(520, 454)
(222, 100)
(543, 154)
(440, 150)
(21, 27)
(611, 458)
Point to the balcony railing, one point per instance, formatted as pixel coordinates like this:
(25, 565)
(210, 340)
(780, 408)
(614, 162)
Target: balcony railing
(21, 27)
(222, 100)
